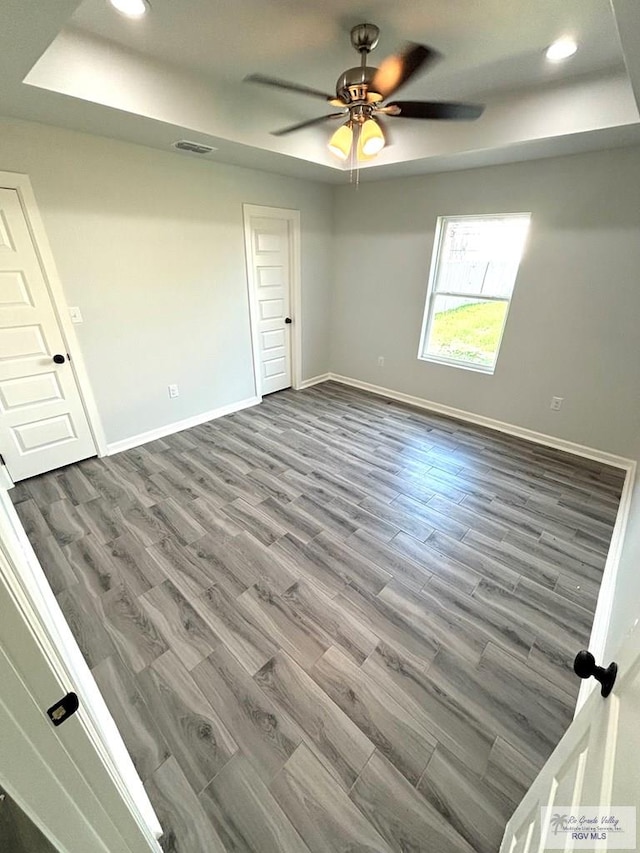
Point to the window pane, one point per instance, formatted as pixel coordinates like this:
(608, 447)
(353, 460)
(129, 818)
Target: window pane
(481, 256)
(466, 330)
(461, 276)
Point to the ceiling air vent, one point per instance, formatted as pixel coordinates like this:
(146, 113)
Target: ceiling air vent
(193, 147)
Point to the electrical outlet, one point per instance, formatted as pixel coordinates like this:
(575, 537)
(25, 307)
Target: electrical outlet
(380, 361)
(173, 391)
(75, 314)
(556, 403)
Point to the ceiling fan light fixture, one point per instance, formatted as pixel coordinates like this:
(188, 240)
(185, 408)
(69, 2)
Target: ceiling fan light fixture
(131, 8)
(561, 49)
(361, 93)
(341, 141)
(371, 138)
(362, 157)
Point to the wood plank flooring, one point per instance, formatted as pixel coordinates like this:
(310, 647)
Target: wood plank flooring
(331, 622)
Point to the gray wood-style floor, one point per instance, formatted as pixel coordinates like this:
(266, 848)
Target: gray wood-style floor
(330, 622)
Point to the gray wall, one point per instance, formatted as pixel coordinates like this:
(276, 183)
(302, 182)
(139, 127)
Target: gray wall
(574, 326)
(150, 246)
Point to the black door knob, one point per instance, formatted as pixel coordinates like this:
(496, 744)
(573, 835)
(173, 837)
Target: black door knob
(58, 359)
(585, 666)
(288, 320)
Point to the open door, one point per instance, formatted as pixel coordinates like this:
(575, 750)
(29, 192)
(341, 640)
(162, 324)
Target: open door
(595, 764)
(75, 782)
(39, 775)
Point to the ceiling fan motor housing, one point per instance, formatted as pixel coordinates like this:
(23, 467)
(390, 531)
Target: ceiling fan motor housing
(364, 37)
(354, 83)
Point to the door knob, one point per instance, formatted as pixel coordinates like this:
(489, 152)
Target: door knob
(58, 358)
(288, 320)
(585, 666)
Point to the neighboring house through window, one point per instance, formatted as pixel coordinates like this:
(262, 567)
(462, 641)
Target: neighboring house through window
(473, 273)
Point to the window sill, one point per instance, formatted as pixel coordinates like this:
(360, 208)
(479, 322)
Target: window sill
(474, 368)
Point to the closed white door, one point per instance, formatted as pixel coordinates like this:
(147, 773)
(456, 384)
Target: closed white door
(595, 764)
(269, 261)
(42, 421)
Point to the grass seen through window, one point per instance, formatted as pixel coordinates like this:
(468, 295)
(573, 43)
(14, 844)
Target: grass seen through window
(467, 332)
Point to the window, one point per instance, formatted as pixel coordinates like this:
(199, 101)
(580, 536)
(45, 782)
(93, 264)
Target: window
(473, 273)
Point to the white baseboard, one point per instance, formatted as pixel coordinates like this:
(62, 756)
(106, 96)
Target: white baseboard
(491, 423)
(315, 380)
(178, 426)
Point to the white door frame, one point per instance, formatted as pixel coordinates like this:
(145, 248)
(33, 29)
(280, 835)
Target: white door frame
(295, 276)
(41, 648)
(22, 185)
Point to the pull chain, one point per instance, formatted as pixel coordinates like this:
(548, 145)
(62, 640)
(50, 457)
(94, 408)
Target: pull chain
(355, 163)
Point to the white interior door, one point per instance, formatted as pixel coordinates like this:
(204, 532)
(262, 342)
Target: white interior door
(77, 782)
(37, 772)
(42, 421)
(270, 254)
(595, 764)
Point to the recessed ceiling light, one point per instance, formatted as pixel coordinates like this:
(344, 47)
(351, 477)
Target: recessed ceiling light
(559, 50)
(131, 8)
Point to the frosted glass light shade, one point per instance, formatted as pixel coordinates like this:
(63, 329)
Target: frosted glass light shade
(341, 141)
(362, 157)
(130, 8)
(371, 138)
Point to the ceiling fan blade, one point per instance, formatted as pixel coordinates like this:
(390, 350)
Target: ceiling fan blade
(435, 110)
(398, 68)
(285, 84)
(308, 123)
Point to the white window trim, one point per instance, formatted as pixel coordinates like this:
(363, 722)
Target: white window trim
(427, 314)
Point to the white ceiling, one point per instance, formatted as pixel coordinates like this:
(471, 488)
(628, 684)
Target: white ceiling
(177, 73)
(487, 43)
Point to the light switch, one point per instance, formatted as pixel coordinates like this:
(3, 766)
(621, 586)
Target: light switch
(75, 314)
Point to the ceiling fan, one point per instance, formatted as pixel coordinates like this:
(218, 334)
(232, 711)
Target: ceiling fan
(362, 95)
